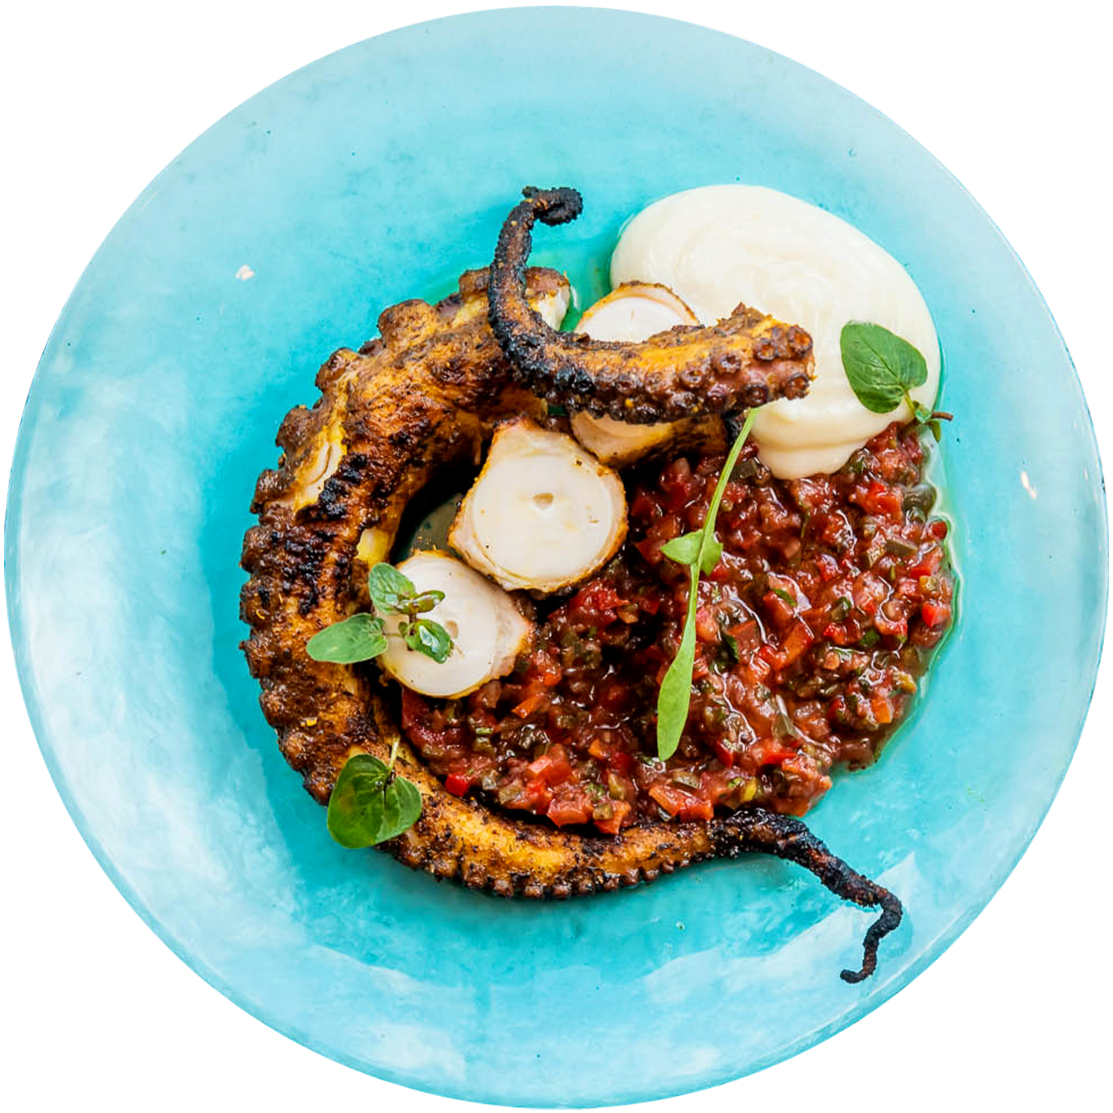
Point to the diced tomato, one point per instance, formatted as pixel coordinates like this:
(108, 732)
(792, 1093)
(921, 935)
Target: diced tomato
(570, 809)
(650, 549)
(760, 669)
(828, 567)
(880, 499)
(529, 705)
(770, 752)
(619, 811)
(621, 762)
(713, 786)
(679, 803)
(938, 529)
(936, 614)
(644, 506)
(746, 636)
(868, 592)
(780, 610)
(594, 605)
(771, 654)
(707, 629)
(882, 709)
(426, 725)
(679, 485)
(650, 602)
(671, 798)
(891, 628)
(724, 753)
(537, 796)
(698, 808)
(721, 573)
(457, 783)
(552, 766)
(799, 639)
(928, 563)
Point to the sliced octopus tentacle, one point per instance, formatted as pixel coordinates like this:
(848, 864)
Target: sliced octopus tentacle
(745, 360)
(422, 396)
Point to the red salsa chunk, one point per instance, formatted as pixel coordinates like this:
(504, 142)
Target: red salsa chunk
(812, 633)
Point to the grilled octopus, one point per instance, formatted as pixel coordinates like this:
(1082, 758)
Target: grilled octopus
(745, 360)
(421, 397)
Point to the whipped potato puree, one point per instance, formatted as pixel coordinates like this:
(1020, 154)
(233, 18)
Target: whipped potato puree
(716, 246)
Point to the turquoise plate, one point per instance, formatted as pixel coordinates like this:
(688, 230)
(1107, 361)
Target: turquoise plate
(379, 173)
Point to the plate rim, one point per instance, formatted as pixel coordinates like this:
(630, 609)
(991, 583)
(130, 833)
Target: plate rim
(857, 1008)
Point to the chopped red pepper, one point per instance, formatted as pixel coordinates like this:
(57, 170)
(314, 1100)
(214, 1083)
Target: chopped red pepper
(936, 614)
(619, 811)
(457, 783)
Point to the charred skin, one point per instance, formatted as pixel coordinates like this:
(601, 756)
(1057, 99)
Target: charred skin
(745, 360)
(421, 397)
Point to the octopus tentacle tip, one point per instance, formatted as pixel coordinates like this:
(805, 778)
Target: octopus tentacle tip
(786, 837)
(889, 920)
(558, 205)
(746, 359)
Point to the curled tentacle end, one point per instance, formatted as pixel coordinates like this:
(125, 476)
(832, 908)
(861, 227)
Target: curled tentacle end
(888, 921)
(785, 837)
(555, 206)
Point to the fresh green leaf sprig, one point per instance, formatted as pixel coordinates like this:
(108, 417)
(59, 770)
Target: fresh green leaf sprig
(883, 369)
(370, 803)
(363, 636)
(700, 551)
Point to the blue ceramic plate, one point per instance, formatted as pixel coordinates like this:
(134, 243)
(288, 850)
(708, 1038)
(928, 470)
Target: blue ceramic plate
(378, 174)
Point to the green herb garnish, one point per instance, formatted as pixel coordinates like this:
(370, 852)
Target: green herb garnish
(428, 637)
(700, 551)
(363, 636)
(357, 638)
(883, 368)
(370, 803)
(785, 596)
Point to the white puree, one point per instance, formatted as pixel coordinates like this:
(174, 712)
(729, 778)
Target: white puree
(717, 246)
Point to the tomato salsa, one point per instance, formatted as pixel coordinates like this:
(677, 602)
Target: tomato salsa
(813, 632)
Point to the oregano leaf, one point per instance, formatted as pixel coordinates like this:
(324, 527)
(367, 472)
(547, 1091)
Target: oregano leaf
(880, 366)
(389, 589)
(429, 637)
(357, 638)
(369, 805)
(401, 807)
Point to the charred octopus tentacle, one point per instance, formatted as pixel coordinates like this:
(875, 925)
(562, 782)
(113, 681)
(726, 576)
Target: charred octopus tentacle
(745, 360)
(756, 829)
(424, 394)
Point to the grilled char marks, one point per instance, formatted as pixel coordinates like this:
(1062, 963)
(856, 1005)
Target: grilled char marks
(745, 360)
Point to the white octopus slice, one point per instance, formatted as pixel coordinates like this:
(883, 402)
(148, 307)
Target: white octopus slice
(543, 514)
(634, 311)
(488, 631)
(552, 307)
